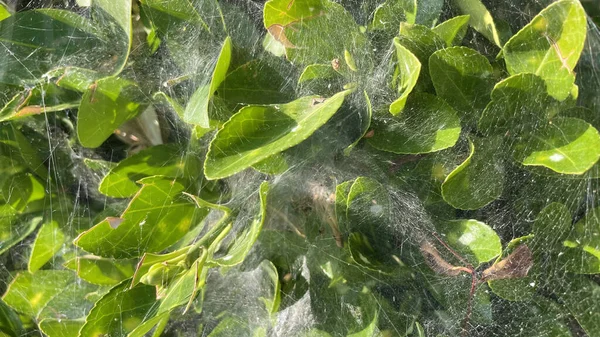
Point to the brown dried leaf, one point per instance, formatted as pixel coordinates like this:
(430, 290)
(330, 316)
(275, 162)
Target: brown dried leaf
(515, 265)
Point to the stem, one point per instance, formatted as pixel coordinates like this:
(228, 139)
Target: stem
(465, 324)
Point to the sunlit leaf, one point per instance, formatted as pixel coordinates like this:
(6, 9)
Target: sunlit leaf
(564, 145)
(409, 68)
(49, 240)
(61, 327)
(30, 293)
(245, 239)
(480, 19)
(550, 46)
(453, 30)
(478, 241)
(427, 124)
(102, 271)
(106, 105)
(156, 218)
(196, 112)
(120, 311)
(272, 128)
(165, 160)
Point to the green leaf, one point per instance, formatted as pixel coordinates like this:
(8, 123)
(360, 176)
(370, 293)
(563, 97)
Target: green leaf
(4, 13)
(256, 82)
(120, 311)
(391, 13)
(310, 38)
(453, 30)
(365, 114)
(518, 103)
(49, 241)
(14, 144)
(74, 301)
(61, 327)
(272, 129)
(581, 296)
(40, 99)
(464, 78)
(102, 271)
(316, 72)
(581, 250)
(480, 19)
(550, 46)
(185, 289)
(427, 124)
(119, 12)
(476, 240)
(409, 68)
(165, 160)
(551, 228)
(14, 229)
(24, 193)
(9, 321)
(29, 52)
(276, 164)
(196, 112)
(30, 293)
(564, 145)
(155, 219)
(422, 42)
(106, 105)
(462, 187)
(245, 239)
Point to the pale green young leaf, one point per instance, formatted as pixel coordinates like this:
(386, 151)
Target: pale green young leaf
(453, 30)
(49, 241)
(409, 68)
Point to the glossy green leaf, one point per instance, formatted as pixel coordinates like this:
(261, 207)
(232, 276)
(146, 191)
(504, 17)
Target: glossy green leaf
(480, 19)
(464, 78)
(165, 160)
(156, 218)
(120, 311)
(106, 105)
(196, 112)
(518, 102)
(245, 239)
(255, 82)
(30, 293)
(427, 124)
(310, 38)
(581, 250)
(9, 320)
(550, 46)
(273, 128)
(185, 288)
(102, 271)
(409, 69)
(478, 241)
(61, 327)
(453, 30)
(564, 145)
(49, 241)
(462, 187)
